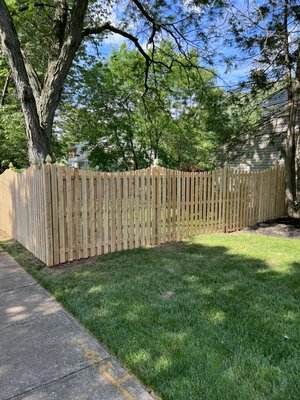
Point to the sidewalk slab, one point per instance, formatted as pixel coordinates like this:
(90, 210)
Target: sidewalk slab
(68, 389)
(84, 385)
(42, 350)
(25, 303)
(6, 262)
(45, 354)
(13, 277)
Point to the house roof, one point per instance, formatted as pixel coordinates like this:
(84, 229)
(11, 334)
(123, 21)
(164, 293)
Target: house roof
(277, 98)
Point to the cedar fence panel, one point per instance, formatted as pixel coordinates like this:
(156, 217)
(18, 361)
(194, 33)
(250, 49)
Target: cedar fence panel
(62, 214)
(25, 210)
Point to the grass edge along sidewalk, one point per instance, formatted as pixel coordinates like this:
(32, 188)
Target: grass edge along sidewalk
(46, 353)
(216, 317)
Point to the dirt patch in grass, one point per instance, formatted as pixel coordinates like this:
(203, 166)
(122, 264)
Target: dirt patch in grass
(281, 227)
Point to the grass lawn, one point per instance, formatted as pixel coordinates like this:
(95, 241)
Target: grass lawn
(228, 329)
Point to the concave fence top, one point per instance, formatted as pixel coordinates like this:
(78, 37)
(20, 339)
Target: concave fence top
(62, 214)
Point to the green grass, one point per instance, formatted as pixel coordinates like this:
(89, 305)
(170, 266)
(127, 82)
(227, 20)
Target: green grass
(231, 331)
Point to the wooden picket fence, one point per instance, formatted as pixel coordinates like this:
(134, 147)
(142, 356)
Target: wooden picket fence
(62, 214)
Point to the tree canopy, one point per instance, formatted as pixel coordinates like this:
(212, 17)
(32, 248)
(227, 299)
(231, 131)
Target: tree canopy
(41, 41)
(177, 119)
(268, 33)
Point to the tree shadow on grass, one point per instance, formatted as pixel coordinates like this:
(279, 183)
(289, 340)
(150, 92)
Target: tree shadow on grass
(191, 321)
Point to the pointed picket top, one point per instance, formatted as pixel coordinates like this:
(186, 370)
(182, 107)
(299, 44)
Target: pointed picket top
(48, 159)
(10, 165)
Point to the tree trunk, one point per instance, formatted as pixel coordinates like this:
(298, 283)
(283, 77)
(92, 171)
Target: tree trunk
(37, 149)
(39, 145)
(135, 164)
(40, 100)
(5, 88)
(298, 160)
(297, 133)
(290, 146)
(290, 156)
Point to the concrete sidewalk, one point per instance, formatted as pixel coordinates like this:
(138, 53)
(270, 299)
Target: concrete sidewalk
(46, 354)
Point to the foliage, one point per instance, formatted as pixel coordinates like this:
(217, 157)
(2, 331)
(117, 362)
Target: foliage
(12, 129)
(12, 138)
(244, 121)
(41, 41)
(268, 33)
(177, 118)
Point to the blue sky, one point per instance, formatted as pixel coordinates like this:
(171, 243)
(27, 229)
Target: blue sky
(227, 79)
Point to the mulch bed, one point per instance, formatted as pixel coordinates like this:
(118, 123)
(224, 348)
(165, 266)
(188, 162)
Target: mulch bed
(281, 227)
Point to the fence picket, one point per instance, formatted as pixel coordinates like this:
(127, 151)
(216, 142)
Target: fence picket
(137, 209)
(99, 218)
(118, 213)
(148, 208)
(125, 211)
(61, 215)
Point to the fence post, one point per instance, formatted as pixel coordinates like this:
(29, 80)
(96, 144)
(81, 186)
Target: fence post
(48, 214)
(55, 216)
(154, 169)
(225, 198)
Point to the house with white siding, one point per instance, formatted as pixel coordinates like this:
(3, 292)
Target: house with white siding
(266, 149)
(78, 156)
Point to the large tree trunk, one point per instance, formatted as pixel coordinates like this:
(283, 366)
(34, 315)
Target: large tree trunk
(297, 133)
(298, 158)
(290, 156)
(290, 146)
(38, 148)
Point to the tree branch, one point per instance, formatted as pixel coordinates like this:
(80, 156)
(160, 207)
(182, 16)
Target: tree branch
(11, 47)
(5, 87)
(155, 26)
(144, 11)
(33, 78)
(59, 26)
(59, 66)
(25, 7)
(106, 26)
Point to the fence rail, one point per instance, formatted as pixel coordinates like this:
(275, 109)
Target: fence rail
(62, 214)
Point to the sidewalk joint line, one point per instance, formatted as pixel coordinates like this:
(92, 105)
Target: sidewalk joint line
(30, 320)
(18, 287)
(52, 381)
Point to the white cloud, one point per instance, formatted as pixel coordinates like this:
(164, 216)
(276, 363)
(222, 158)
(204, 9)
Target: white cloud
(190, 6)
(113, 39)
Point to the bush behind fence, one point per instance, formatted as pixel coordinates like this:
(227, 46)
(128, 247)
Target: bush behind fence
(62, 214)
